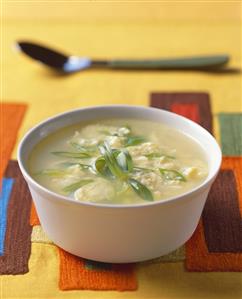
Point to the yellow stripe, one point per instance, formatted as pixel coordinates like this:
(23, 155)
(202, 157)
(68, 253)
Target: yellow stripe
(39, 236)
(163, 281)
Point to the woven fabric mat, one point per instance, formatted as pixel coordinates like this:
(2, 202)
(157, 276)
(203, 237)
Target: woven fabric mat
(216, 244)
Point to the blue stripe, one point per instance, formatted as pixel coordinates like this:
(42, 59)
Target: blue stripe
(7, 185)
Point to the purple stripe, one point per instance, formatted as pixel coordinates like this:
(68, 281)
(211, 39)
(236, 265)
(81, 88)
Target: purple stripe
(221, 216)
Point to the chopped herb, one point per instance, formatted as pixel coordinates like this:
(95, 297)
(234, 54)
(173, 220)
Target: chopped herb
(71, 188)
(69, 164)
(111, 161)
(171, 174)
(83, 149)
(52, 172)
(138, 169)
(102, 168)
(72, 155)
(141, 190)
(125, 161)
(77, 146)
(115, 152)
(84, 166)
(134, 140)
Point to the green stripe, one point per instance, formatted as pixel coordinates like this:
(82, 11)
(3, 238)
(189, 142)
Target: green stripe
(231, 133)
(98, 266)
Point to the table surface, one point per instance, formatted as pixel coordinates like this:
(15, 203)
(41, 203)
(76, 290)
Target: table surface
(120, 30)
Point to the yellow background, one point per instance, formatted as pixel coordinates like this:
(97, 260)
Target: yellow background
(109, 29)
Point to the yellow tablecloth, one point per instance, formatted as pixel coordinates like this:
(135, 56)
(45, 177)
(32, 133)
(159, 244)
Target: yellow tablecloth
(127, 30)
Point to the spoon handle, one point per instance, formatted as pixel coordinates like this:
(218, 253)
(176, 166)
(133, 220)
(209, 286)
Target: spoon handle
(199, 62)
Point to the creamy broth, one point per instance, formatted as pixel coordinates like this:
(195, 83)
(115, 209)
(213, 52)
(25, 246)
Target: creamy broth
(118, 161)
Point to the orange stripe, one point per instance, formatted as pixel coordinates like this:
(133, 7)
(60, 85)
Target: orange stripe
(199, 259)
(235, 164)
(74, 275)
(34, 219)
(11, 118)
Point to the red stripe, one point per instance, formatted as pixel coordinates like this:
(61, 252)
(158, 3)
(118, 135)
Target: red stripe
(190, 111)
(165, 100)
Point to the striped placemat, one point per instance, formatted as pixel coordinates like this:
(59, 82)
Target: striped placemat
(216, 244)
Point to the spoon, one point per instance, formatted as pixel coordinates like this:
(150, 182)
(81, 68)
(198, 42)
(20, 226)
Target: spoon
(69, 64)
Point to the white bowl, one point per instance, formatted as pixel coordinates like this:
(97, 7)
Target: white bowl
(119, 233)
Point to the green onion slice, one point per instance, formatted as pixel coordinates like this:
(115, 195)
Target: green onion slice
(171, 174)
(141, 190)
(125, 161)
(76, 155)
(100, 166)
(52, 172)
(71, 188)
(134, 140)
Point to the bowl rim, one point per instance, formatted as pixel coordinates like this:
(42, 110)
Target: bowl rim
(66, 199)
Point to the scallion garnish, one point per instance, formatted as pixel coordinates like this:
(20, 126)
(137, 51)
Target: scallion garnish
(76, 155)
(71, 188)
(125, 161)
(141, 189)
(171, 174)
(52, 172)
(134, 140)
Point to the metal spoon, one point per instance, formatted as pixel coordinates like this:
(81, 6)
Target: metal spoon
(69, 64)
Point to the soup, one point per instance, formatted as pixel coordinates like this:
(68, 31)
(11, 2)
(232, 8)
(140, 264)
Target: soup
(118, 161)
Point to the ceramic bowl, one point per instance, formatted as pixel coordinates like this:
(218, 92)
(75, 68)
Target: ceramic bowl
(119, 233)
